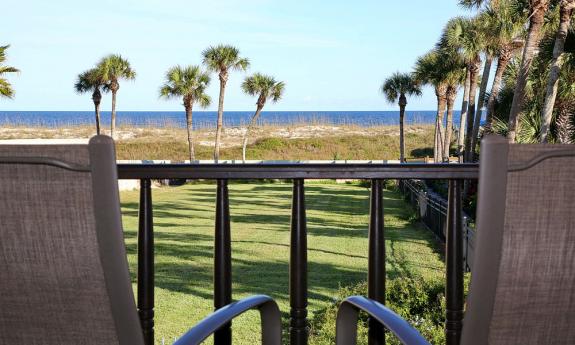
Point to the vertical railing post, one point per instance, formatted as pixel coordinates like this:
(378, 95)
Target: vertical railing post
(222, 260)
(298, 267)
(146, 262)
(454, 265)
(376, 264)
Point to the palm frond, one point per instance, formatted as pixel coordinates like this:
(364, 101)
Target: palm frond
(224, 57)
(5, 87)
(398, 84)
(114, 67)
(263, 86)
(188, 83)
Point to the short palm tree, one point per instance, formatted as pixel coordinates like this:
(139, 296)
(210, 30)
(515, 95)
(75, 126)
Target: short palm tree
(5, 87)
(223, 59)
(428, 70)
(113, 68)
(396, 88)
(190, 84)
(265, 87)
(91, 81)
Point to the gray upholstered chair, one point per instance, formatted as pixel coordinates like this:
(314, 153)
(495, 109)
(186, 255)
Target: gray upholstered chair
(523, 280)
(63, 271)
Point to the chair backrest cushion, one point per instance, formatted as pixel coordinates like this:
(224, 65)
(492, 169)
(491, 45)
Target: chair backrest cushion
(523, 282)
(55, 287)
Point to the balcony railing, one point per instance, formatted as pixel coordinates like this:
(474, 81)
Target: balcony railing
(298, 289)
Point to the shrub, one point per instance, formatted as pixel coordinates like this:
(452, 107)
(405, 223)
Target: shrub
(418, 301)
(270, 143)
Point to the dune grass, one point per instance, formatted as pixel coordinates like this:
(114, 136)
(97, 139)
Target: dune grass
(337, 218)
(332, 147)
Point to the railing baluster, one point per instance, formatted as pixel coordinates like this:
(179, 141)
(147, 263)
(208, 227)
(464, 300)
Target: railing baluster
(146, 262)
(298, 267)
(454, 265)
(376, 264)
(222, 260)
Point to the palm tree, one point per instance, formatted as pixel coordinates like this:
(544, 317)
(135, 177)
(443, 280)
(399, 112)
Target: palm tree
(113, 68)
(465, 36)
(189, 83)
(566, 11)
(5, 87)
(395, 88)
(91, 80)
(537, 10)
(428, 70)
(506, 27)
(264, 87)
(222, 59)
(490, 49)
(455, 75)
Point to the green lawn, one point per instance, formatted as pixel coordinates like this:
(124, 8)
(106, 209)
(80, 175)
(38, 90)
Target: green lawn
(337, 216)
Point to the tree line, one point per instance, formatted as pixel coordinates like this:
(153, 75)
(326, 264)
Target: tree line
(532, 94)
(188, 83)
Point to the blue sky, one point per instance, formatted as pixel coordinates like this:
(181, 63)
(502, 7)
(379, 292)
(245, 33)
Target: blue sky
(332, 55)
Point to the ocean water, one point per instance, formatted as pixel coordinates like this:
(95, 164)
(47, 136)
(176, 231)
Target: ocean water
(207, 119)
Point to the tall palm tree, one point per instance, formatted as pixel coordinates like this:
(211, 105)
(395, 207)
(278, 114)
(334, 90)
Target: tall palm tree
(566, 11)
(455, 76)
(537, 10)
(223, 59)
(396, 88)
(505, 24)
(465, 36)
(113, 68)
(5, 87)
(265, 87)
(91, 80)
(190, 84)
(490, 49)
(428, 70)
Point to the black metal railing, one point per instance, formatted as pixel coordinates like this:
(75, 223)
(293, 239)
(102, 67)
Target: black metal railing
(298, 288)
(432, 211)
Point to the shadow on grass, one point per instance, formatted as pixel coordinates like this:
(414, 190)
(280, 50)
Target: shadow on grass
(185, 259)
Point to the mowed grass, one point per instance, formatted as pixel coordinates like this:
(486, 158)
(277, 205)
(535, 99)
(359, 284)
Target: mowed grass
(337, 219)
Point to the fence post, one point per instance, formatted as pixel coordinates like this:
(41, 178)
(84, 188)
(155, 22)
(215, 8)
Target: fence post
(376, 263)
(454, 265)
(146, 262)
(298, 267)
(222, 260)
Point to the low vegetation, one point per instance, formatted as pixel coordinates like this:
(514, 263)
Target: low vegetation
(310, 146)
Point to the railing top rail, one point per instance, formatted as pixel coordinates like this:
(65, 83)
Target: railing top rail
(277, 170)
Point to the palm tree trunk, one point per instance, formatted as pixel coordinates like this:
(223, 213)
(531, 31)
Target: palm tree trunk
(481, 102)
(113, 120)
(565, 127)
(402, 104)
(220, 124)
(97, 98)
(502, 62)
(190, 131)
(463, 117)
(474, 68)
(253, 123)
(556, 64)
(451, 95)
(539, 7)
(440, 91)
